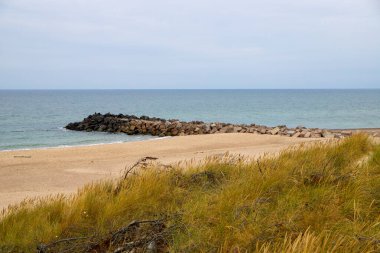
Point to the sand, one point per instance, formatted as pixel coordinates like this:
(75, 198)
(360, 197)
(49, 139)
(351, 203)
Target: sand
(41, 172)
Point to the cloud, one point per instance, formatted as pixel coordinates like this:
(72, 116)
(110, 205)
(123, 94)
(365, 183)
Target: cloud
(170, 39)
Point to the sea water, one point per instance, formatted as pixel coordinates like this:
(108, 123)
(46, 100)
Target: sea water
(36, 118)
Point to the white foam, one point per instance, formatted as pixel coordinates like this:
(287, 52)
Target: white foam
(84, 145)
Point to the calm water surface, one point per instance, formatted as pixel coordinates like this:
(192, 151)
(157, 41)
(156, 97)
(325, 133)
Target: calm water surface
(35, 119)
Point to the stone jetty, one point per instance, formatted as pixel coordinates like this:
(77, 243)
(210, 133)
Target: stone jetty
(145, 125)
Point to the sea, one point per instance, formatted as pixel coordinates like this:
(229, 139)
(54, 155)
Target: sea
(32, 119)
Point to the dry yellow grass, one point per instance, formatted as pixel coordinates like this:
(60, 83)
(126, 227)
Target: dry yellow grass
(320, 198)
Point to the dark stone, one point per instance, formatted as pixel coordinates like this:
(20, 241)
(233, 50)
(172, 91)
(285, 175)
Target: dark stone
(131, 124)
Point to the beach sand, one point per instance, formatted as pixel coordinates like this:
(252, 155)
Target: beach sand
(41, 172)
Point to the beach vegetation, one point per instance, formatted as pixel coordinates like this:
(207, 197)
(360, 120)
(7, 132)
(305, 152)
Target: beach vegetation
(320, 197)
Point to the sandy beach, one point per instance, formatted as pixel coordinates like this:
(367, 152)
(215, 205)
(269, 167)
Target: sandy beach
(41, 172)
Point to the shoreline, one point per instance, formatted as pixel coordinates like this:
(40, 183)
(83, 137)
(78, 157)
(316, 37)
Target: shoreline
(366, 130)
(42, 172)
(84, 145)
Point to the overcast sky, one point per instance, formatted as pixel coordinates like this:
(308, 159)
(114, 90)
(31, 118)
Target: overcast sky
(189, 44)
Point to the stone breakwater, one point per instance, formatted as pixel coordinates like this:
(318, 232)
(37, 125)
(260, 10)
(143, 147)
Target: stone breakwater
(145, 125)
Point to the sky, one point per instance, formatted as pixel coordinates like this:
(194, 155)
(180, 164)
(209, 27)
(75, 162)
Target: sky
(213, 44)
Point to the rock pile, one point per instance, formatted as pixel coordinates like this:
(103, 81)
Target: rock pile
(145, 125)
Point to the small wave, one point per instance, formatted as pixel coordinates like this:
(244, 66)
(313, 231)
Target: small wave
(77, 145)
(159, 138)
(17, 149)
(62, 129)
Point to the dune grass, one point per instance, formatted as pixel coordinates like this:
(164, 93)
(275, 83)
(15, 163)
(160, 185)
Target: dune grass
(323, 197)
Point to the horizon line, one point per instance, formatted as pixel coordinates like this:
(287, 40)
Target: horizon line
(142, 89)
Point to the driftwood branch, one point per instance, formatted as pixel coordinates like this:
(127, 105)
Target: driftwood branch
(134, 224)
(141, 160)
(129, 170)
(150, 238)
